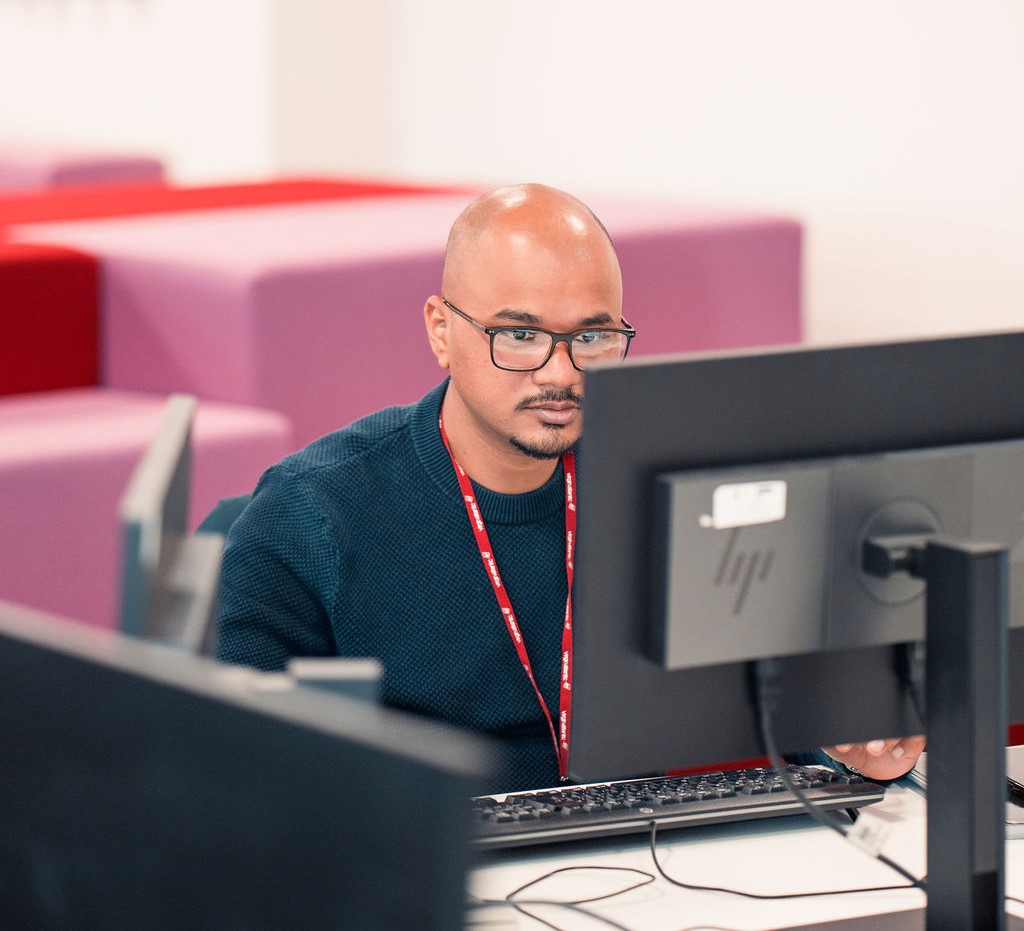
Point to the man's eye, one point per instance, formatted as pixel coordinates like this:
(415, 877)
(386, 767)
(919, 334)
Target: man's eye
(592, 336)
(523, 336)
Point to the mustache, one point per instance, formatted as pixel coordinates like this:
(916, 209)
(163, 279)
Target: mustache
(554, 396)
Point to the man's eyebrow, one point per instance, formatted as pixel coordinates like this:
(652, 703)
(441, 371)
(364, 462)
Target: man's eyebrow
(518, 316)
(525, 317)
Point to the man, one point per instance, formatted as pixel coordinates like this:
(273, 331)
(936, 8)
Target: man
(433, 536)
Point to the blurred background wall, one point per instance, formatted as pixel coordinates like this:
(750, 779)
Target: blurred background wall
(891, 129)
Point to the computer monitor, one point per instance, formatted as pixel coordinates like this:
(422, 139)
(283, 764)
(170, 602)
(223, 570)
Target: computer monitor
(170, 577)
(145, 787)
(857, 435)
(812, 451)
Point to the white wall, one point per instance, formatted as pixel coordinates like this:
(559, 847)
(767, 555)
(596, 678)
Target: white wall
(189, 80)
(891, 128)
(337, 87)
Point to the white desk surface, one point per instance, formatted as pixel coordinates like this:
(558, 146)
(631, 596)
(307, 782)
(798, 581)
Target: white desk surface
(792, 854)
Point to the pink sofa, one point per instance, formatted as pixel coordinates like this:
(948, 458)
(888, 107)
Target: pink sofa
(49, 300)
(65, 460)
(314, 310)
(32, 166)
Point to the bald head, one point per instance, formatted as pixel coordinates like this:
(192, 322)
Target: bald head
(523, 216)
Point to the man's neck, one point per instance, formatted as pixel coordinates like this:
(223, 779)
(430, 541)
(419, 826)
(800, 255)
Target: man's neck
(504, 470)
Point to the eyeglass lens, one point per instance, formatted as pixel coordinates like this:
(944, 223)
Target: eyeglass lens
(528, 349)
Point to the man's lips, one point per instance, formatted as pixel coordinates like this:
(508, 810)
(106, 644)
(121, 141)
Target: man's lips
(558, 414)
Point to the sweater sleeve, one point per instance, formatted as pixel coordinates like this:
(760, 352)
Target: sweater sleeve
(277, 581)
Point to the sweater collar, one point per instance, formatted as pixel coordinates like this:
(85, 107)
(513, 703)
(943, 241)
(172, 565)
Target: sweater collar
(495, 507)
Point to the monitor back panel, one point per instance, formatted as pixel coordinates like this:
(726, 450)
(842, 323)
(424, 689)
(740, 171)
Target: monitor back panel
(140, 787)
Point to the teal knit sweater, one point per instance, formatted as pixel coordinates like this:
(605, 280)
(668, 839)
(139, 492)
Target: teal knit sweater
(359, 545)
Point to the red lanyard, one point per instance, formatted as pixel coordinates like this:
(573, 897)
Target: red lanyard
(476, 521)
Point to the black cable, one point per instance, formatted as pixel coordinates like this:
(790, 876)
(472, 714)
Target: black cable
(693, 887)
(573, 904)
(766, 675)
(766, 694)
(518, 905)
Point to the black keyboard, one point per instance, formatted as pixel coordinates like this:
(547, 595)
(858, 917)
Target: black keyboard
(628, 807)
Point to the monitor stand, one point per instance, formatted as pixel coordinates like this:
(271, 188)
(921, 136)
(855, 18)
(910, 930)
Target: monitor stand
(967, 592)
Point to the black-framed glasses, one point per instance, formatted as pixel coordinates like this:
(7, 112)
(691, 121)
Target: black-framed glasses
(527, 348)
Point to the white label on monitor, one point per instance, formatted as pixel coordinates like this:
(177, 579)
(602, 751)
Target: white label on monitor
(743, 504)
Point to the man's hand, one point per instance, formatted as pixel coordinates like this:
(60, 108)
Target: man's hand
(880, 759)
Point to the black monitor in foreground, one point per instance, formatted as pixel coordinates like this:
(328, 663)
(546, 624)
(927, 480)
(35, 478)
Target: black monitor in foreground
(724, 517)
(170, 578)
(143, 787)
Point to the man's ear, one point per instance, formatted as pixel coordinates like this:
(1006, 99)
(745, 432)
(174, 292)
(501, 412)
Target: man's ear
(436, 319)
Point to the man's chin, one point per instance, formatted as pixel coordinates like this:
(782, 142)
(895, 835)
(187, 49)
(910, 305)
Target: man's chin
(553, 446)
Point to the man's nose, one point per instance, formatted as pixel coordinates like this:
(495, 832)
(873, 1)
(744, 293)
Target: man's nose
(559, 368)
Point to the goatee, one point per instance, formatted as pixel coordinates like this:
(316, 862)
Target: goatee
(554, 448)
